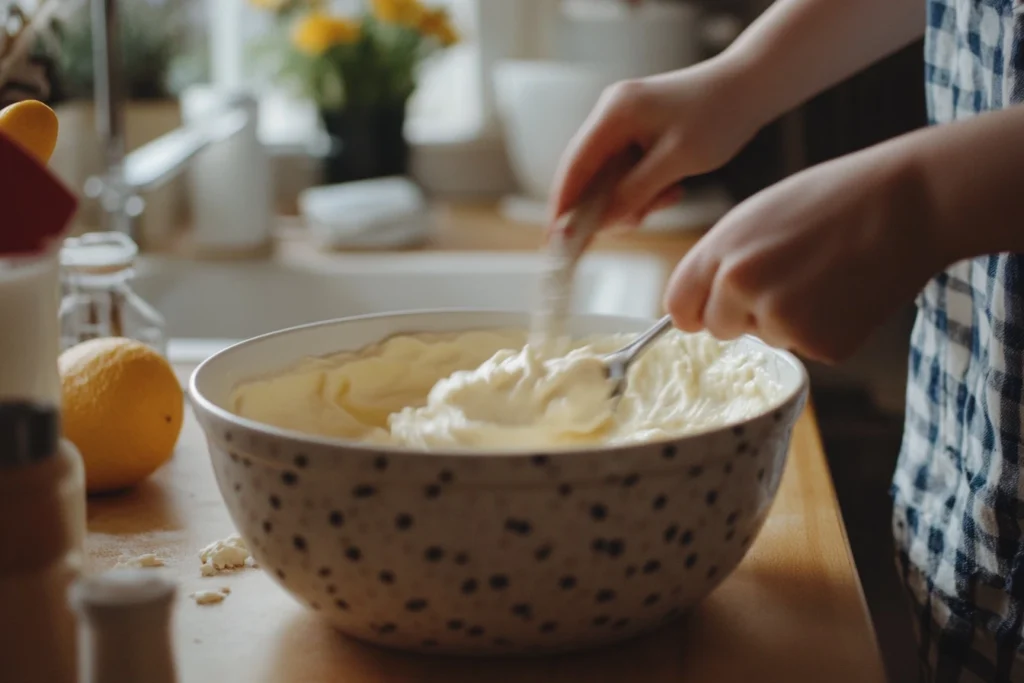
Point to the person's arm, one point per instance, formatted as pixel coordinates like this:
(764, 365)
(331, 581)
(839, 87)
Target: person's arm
(972, 172)
(798, 48)
(819, 260)
(693, 120)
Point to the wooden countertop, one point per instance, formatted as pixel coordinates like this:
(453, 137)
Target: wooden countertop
(792, 612)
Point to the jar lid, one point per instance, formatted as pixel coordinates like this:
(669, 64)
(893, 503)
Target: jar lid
(29, 432)
(98, 253)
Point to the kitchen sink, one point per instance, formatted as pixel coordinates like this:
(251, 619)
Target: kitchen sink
(209, 305)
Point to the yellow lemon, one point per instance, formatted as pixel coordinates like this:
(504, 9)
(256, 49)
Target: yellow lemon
(122, 407)
(32, 125)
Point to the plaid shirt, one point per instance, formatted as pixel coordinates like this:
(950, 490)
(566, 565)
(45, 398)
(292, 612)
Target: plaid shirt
(958, 491)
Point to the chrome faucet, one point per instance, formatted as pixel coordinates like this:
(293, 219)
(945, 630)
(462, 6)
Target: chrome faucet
(125, 177)
(116, 200)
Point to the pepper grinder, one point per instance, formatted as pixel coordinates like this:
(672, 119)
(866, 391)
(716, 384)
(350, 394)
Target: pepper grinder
(42, 526)
(125, 627)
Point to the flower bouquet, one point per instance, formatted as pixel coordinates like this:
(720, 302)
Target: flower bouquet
(360, 70)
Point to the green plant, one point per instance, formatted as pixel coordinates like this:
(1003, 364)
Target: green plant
(150, 36)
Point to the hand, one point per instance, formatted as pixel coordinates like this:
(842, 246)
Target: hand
(816, 262)
(685, 123)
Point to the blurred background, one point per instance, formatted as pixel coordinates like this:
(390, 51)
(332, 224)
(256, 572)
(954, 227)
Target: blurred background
(473, 100)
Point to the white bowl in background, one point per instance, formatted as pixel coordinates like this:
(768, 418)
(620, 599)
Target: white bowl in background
(541, 105)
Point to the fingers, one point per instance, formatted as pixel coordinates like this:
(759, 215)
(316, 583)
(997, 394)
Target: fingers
(604, 134)
(669, 197)
(702, 295)
(689, 288)
(727, 313)
(646, 181)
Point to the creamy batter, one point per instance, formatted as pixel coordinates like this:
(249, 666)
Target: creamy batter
(489, 390)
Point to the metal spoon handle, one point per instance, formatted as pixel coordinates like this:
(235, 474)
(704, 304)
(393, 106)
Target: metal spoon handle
(631, 351)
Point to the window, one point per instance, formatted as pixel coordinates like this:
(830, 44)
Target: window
(447, 101)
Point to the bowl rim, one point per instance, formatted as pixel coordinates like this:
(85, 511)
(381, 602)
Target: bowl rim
(798, 393)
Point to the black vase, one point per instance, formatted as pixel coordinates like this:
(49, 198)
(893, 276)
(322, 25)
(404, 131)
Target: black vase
(366, 142)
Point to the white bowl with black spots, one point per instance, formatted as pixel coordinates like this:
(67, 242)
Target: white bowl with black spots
(488, 552)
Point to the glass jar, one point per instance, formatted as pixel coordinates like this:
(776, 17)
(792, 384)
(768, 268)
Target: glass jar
(96, 273)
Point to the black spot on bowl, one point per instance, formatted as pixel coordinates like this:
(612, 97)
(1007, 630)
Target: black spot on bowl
(416, 605)
(364, 491)
(522, 610)
(518, 526)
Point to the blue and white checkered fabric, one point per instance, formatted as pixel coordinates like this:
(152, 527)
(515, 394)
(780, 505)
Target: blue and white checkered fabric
(958, 491)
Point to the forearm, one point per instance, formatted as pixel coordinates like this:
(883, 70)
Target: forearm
(972, 176)
(799, 48)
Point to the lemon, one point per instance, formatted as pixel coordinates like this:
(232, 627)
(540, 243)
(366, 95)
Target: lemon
(123, 409)
(32, 125)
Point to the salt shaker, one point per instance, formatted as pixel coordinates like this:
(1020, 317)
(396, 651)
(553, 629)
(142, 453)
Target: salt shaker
(42, 527)
(42, 482)
(125, 617)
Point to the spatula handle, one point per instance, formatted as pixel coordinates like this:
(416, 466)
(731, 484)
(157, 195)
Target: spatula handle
(568, 241)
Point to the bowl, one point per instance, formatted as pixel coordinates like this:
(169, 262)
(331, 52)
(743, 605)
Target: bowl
(541, 105)
(484, 553)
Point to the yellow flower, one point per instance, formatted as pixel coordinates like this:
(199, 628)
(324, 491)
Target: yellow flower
(269, 5)
(437, 24)
(403, 12)
(317, 32)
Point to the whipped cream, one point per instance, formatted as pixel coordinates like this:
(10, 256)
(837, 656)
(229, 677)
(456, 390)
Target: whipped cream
(515, 398)
(488, 390)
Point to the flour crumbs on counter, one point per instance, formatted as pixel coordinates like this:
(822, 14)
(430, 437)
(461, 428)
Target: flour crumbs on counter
(204, 598)
(227, 554)
(146, 561)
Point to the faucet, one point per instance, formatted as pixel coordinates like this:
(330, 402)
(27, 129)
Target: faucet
(126, 176)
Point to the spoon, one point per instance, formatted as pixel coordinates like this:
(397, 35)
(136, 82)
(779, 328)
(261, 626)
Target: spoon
(563, 251)
(617, 363)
